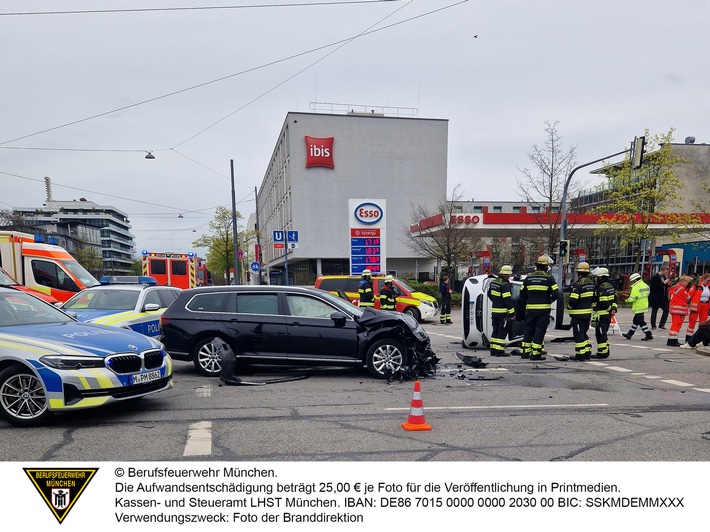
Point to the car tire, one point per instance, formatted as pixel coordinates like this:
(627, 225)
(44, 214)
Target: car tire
(414, 313)
(385, 357)
(23, 400)
(206, 356)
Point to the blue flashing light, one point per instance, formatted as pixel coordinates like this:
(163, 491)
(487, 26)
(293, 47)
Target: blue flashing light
(144, 252)
(39, 238)
(190, 254)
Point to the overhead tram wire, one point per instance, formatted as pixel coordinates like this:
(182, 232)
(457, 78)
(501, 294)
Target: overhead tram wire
(229, 76)
(195, 8)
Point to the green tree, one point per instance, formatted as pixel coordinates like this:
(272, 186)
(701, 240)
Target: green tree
(638, 198)
(90, 259)
(434, 236)
(542, 184)
(219, 243)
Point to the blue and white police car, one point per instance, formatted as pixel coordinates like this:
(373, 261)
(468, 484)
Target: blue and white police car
(51, 363)
(129, 301)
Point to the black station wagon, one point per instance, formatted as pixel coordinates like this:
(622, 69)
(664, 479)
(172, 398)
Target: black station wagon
(295, 326)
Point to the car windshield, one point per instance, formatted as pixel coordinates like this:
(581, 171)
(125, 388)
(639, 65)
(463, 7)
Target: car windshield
(80, 273)
(18, 308)
(405, 286)
(108, 299)
(6, 280)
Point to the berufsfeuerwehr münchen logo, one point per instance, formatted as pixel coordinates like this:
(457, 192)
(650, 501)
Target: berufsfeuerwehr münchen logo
(60, 488)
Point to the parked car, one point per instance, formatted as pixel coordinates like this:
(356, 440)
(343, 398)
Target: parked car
(476, 307)
(51, 363)
(132, 302)
(7, 281)
(289, 325)
(419, 305)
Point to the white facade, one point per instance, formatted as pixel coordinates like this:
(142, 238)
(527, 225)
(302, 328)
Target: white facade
(401, 160)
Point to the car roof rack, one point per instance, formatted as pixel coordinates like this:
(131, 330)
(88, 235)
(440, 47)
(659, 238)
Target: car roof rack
(128, 279)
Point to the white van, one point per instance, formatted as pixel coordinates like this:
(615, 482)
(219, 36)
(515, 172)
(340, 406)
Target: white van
(476, 307)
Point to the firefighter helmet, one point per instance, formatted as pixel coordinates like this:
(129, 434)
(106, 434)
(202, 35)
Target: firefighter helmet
(389, 279)
(366, 273)
(543, 260)
(634, 277)
(583, 267)
(506, 270)
(600, 272)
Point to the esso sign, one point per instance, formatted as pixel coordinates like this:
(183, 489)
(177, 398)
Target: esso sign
(466, 219)
(368, 213)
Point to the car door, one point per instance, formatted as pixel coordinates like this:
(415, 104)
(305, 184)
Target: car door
(256, 326)
(314, 336)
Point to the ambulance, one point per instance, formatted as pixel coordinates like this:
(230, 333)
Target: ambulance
(45, 267)
(182, 270)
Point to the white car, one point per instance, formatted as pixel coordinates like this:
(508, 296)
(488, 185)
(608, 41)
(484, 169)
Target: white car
(476, 308)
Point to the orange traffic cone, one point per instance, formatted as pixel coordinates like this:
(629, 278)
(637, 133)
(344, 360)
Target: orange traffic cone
(614, 326)
(416, 421)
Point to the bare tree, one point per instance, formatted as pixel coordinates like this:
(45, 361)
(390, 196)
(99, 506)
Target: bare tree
(542, 184)
(434, 235)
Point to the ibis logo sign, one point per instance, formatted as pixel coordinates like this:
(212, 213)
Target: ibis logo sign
(319, 152)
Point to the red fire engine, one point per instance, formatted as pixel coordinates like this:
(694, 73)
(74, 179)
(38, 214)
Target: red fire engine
(183, 270)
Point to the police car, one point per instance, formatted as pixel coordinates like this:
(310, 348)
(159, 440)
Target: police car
(131, 302)
(476, 307)
(51, 363)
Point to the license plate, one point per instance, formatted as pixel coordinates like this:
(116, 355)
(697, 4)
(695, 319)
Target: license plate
(145, 377)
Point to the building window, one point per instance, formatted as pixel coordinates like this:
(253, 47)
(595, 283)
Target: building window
(497, 208)
(517, 209)
(478, 210)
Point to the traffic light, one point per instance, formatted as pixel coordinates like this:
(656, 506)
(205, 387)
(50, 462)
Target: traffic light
(637, 149)
(564, 251)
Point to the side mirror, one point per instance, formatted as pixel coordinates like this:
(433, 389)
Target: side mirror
(338, 318)
(150, 307)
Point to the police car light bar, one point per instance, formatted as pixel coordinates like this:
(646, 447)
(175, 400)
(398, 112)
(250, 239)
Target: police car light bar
(128, 279)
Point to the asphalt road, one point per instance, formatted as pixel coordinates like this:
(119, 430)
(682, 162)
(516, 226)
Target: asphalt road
(646, 402)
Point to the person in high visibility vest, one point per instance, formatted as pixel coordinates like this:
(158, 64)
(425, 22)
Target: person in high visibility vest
(364, 290)
(638, 297)
(388, 297)
(580, 311)
(502, 310)
(537, 294)
(678, 308)
(605, 307)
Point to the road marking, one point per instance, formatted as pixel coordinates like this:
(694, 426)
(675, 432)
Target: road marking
(677, 383)
(204, 391)
(592, 363)
(638, 374)
(617, 368)
(199, 439)
(503, 407)
(444, 335)
(652, 377)
(706, 390)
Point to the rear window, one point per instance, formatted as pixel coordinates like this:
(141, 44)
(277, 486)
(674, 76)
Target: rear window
(208, 302)
(258, 303)
(347, 284)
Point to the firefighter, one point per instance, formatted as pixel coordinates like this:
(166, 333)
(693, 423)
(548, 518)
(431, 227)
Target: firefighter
(605, 306)
(580, 311)
(364, 289)
(445, 293)
(638, 297)
(538, 292)
(502, 311)
(388, 297)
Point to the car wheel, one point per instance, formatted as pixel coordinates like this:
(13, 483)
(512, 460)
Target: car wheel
(414, 313)
(384, 358)
(207, 356)
(23, 401)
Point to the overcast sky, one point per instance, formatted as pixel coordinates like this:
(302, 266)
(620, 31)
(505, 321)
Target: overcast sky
(201, 87)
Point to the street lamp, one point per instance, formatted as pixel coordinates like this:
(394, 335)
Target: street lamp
(235, 231)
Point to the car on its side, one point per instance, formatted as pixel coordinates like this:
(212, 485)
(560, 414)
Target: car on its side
(131, 302)
(476, 308)
(288, 325)
(51, 363)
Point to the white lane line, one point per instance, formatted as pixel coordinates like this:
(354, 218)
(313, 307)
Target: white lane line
(677, 383)
(204, 391)
(706, 390)
(638, 374)
(444, 335)
(199, 439)
(593, 363)
(505, 407)
(652, 377)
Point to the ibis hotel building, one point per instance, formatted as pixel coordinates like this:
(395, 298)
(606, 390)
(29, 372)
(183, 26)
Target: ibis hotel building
(340, 191)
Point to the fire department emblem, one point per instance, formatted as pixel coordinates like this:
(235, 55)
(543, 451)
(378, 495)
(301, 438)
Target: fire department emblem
(60, 488)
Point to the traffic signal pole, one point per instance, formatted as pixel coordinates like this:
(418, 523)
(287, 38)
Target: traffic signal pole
(563, 206)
